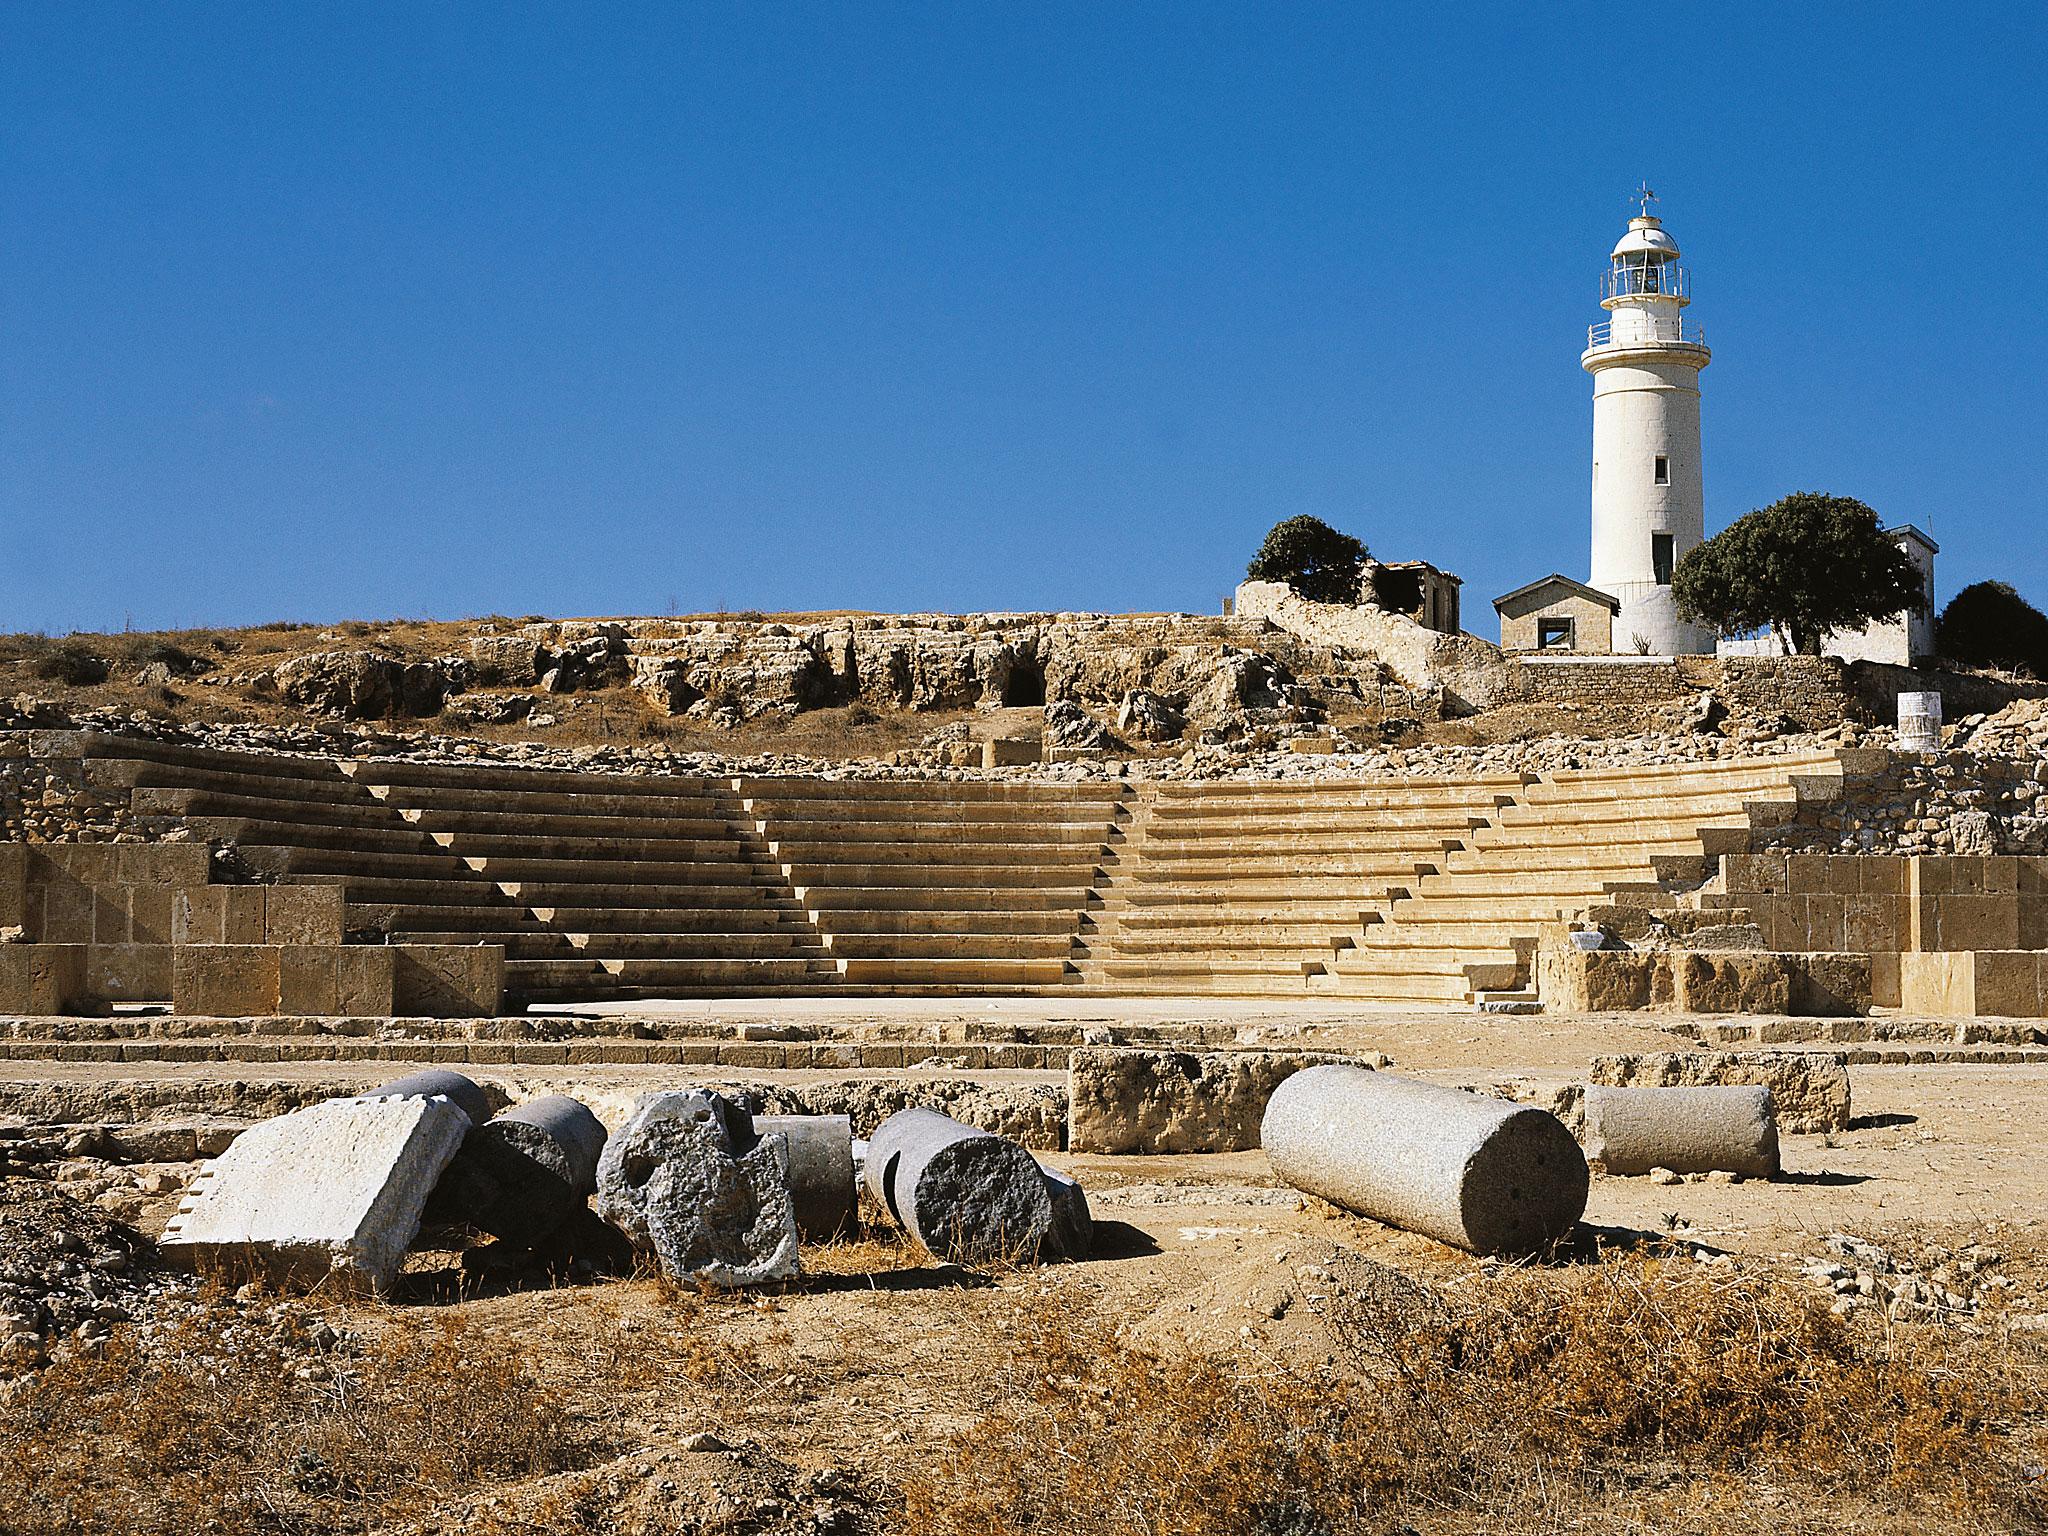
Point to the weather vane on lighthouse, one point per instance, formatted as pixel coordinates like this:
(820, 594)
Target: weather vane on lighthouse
(1645, 196)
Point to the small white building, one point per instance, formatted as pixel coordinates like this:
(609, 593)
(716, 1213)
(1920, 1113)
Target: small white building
(1648, 490)
(1902, 640)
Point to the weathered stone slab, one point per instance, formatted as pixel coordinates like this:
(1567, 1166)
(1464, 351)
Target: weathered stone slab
(1809, 1089)
(334, 1191)
(1125, 1099)
(1688, 1130)
(1479, 1173)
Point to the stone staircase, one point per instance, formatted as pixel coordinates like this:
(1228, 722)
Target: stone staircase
(1398, 892)
(935, 886)
(606, 887)
(1467, 932)
(1249, 889)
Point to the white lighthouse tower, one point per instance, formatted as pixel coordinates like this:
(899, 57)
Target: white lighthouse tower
(1648, 505)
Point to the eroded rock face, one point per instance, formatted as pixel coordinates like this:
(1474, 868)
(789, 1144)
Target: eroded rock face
(1069, 725)
(363, 685)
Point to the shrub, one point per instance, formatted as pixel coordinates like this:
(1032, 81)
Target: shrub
(1552, 1392)
(223, 1427)
(1805, 566)
(1988, 624)
(71, 664)
(1313, 558)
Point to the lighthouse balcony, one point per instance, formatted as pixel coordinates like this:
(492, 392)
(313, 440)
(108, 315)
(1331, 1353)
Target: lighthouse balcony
(1644, 330)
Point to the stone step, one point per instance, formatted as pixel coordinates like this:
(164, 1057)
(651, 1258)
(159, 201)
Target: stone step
(809, 878)
(529, 978)
(786, 792)
(1081, 857)
(654, 849)
(920, 833)
(597, 798)
(555, 944)
(1057, 921)
(947, 946)
(467, 824)
(1372, 868)
(945, 898)
(958, 971)
(1306, 825)
(399, 773)
(352, 808)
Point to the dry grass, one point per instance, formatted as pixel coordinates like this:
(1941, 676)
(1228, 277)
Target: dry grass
(225, 1427)
(1635, 1394)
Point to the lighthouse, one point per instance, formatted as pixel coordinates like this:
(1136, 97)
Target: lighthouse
(1648, 504)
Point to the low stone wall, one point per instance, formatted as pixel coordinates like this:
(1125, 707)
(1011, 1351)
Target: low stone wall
(1975, 983)
(1810, 1089)
(1148, 1101)
(1937, 802)
(1702, 981)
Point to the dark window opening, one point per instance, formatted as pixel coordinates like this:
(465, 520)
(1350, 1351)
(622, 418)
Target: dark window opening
(1660, 557)
(1397, 591)
(1663, 470)
(1553, 634)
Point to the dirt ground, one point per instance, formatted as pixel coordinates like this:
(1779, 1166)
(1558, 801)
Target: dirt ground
(786, 1410)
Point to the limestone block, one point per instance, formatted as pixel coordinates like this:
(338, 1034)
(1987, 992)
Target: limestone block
(164, 864)
(149, 913)
(1810, 1089)
(1885, 986)
(1122, 1099)
(1598, 981)
(1479, 1173)
(218, 914)
(128, 973)
(1722, 982)
(1011, 751)
(1938, 984)
(1830, 986)
(225, 981)
(13, 885)
(42, 978)
(449, 981)
(2006, 983)
(1688, 1130)
(337, 980)
(333, 1191)
(969, 1197)
(303, 914)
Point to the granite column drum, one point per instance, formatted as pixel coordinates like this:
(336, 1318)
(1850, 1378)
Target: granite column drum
(821, 1182)
(523, 1174)
(1687, 1130)
(967, 1195)
(438, 1082)
(1478, 1173)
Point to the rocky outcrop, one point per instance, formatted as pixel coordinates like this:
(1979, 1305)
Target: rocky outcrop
(364, 685)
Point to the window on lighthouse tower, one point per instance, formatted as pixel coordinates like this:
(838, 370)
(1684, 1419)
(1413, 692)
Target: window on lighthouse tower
(1662, 473)
(1660, 558)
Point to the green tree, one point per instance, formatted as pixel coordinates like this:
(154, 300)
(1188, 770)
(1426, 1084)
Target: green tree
(1313, 558)
(1988, 624)
(1805, 566)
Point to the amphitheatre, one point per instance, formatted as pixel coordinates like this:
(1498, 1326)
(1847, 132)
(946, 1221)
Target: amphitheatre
(1098, 884)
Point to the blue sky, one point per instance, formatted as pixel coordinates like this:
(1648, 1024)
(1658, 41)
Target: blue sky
(316, 311)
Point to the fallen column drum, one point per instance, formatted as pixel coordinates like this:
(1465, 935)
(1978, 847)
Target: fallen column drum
(1479, 1173)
